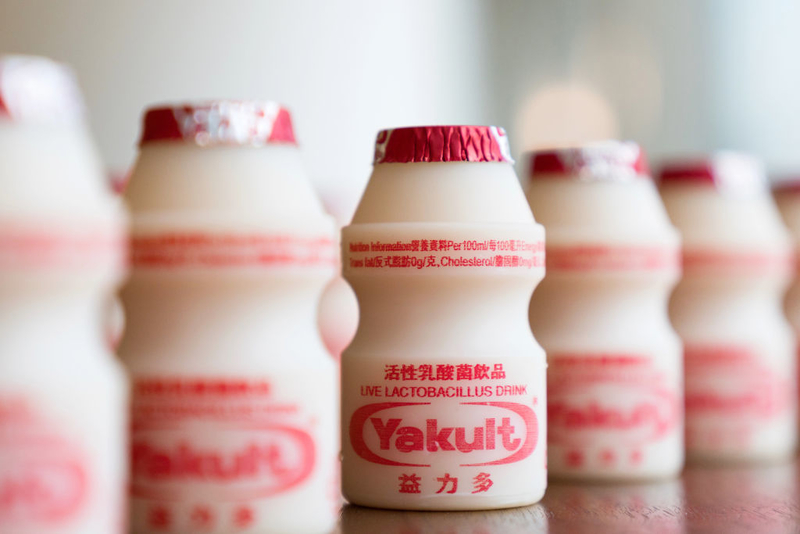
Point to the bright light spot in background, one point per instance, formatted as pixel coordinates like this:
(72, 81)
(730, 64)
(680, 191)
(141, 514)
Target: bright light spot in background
(565, 114)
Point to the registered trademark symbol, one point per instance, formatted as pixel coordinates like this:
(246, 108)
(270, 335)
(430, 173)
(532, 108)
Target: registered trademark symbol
(536, 401)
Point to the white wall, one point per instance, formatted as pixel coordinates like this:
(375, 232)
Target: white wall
(581, 70)
(756, 69)
(678, 76)
(346, 68)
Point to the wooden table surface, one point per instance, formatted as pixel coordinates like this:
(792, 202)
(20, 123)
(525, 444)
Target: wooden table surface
(751, 500)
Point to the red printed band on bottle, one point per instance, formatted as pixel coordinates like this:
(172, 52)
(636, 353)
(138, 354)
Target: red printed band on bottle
(731, 394)
(433, 417)
(716, 263)
(428, 253)
(442, 143)
(63, 247)
(609, 405)
(217, 250)
(44, 479)
(224, 122)
(584, 258)
(216, 443)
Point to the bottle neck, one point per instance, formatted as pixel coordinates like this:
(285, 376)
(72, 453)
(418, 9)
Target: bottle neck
(178, 180)
(709, 220)
(443, 192)
(576, 212)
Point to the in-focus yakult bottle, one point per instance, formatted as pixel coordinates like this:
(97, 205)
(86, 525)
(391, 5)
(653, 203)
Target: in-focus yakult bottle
(739, 350)
(614, 363)
(63, 396)
(234, 397)
(443, 386)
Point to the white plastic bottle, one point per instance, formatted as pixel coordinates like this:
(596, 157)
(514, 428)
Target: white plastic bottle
(63, 396)
(443, 386)
(234, 399)
(787, 198)
(614, 362)
(741, 378)
(338, 308)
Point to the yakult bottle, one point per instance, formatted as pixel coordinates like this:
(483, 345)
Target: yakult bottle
(115, 313)
(443, 386)
(614, 363)
(739, 351)
(234, 396)
(63, 396)
(787, 197)
(338, 309)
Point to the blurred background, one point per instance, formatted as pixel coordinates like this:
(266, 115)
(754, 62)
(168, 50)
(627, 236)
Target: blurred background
(677, 76)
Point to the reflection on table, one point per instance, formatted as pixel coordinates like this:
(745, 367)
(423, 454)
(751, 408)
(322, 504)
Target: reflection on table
(751, 500)
(526, 520)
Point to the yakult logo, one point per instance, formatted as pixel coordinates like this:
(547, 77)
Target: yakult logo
(731, 381)
(43, 477)
(609, 396)
(641, 416)
(400, 434)
(261, 462)
(39, 491)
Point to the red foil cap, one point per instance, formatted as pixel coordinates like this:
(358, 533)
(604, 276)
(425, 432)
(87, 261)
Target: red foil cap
(730, 171)
(787, 184)
(442, 143)
(221, 122)
(606, 160)
(37, 89)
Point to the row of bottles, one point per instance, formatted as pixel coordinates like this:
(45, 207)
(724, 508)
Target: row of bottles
(659, 324)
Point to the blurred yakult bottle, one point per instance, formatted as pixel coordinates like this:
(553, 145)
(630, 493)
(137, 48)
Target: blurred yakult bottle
(63, 396)
(615, 397)
(443, 386)
(787, 197)
(739, 355)
(338, 308)
(115, 313)
(234, 396)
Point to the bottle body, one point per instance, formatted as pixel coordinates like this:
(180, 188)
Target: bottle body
(443, 387)
(444, 396)
(787, 201)
(233, 426)
(741, 369)
(615, 391)
(63, 397)
(63, 464)
(615, 385)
